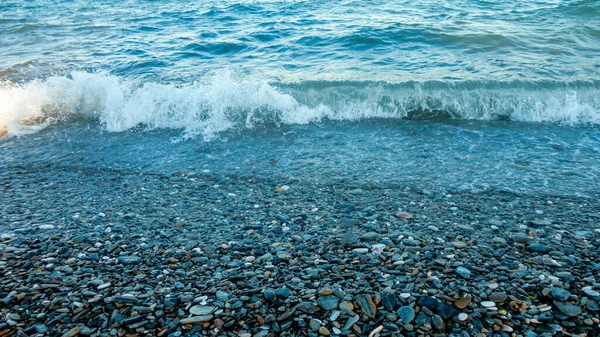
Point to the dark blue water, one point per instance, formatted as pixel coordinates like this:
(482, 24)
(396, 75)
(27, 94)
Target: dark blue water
(450, 95)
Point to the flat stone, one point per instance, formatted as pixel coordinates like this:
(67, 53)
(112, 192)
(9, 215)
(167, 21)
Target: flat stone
(366, 304)
(459, 244)
(346, 307)
(499, 241)
(520, 238)
(498, 297)
(591, 293)
(129, 259)
(370, 236)
(437, 322)
(349, 239)
(464, 272)
(329, 302)
(222, 296)
(462, 317)
(202, 310)
(540, 222)
(404, 215)
(539, 248)
(560, 294)
(428, 302)
(388, 299)
(422, 319)
(446, 311)
(567, 308)
(196, 319)
(462, 303)
(350, 322)
(406, 313)
(487, 304)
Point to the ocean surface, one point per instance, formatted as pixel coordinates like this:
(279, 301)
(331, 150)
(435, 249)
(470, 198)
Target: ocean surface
(439, 95)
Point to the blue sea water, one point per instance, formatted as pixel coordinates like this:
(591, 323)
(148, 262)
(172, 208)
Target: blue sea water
(448, 94)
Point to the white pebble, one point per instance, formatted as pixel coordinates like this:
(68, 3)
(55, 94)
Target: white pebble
(488, 304)
(46, 226)
(462, 316)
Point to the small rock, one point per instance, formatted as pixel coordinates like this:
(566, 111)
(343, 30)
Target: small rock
(462, 316)
(366, 304)
(560, 294)
(459, 244)
(196, 319)
(407, 314)
(329, 302)
(462, 303)
(539, 248)
(129, 259)
(498, 297)
(568, 308)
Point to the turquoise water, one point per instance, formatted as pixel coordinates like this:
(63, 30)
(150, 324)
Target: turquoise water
(466, 82)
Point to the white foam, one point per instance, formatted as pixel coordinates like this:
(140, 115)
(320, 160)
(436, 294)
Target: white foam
(224, 102)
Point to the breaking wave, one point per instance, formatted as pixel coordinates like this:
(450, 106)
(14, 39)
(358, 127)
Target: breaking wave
(226, 102)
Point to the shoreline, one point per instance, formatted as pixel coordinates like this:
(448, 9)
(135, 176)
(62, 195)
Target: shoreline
(91, 252)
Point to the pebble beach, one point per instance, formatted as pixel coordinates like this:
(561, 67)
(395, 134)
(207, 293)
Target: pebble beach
(100, 253)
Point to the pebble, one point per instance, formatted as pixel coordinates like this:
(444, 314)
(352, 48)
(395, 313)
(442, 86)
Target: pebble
(129, 259)
(366, 304)
(568, 308)
(459, 244)
(196, 319)
(462, 303)
(560, 294)
(406, 313)
(201, 310)
(488, 304)
(498, 297)
(329, 302)
(539, 248)
(462, 316)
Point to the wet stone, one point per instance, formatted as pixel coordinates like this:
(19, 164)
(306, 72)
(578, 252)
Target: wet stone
(366, 304)
(428, 302)
(560, 294)
(388, 299)
(407, 314)
(568, 308)
(498, 297)
(539, 248)
(129, 259)
(422, 319)
(329, 302)
(437, 322)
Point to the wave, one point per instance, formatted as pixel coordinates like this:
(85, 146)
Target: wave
(227, 102)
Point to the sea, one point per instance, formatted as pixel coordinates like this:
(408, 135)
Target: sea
(462, 96)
